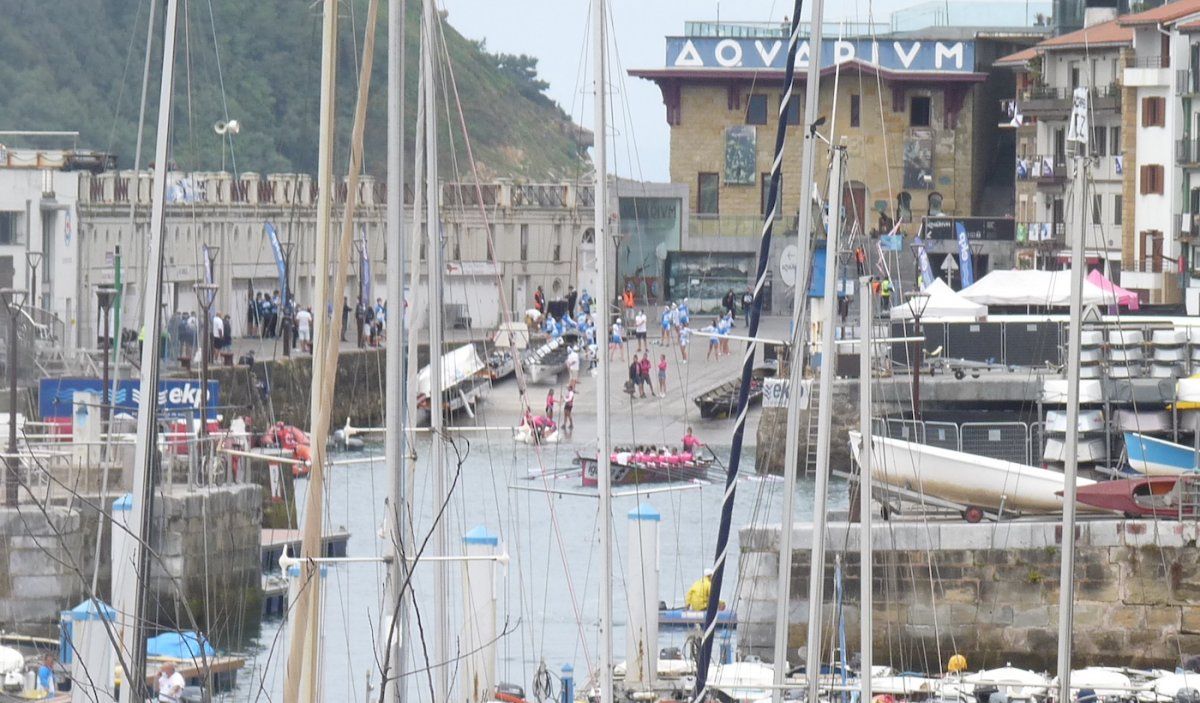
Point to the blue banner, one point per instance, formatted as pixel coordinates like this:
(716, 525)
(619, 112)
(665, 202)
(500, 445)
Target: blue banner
(364, 268)
(208, 272)
(923, 262)
(175, 397)
(277, 249)
(966, 271)
(900, 55)
(891, 242)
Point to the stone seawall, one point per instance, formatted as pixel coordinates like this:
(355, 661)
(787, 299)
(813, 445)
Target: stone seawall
(990, 592)
(206, 562)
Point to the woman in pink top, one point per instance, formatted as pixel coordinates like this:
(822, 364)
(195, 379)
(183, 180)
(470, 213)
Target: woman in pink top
(662, 375)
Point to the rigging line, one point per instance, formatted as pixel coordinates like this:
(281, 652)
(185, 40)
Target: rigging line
(112, 132)
(221, 82)
(748, 364)
(521, 384)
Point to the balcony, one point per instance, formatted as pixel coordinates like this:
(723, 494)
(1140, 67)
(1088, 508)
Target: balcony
(1051, 234)
(738, 226)
(1045, 101)
(1045, 169)
(1187, 82)
(1148, 72)
(1187, 152)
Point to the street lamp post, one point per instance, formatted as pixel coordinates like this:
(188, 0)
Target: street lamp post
(12, 300)
(105, 295)
(206, 293)
(34, 260)
(286, 324)
(917, 302)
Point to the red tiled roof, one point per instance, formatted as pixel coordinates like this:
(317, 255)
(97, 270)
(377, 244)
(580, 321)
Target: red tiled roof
(1189, 26)
(1108, 33)
(1164, 14)
(1018, 59)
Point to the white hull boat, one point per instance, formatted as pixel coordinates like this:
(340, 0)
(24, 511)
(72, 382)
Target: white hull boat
(966, 479)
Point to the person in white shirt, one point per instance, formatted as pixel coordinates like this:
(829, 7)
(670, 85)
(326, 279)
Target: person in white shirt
(170, 684)
(639, 329)
(304, 320)
(572, 366)
(217, 332)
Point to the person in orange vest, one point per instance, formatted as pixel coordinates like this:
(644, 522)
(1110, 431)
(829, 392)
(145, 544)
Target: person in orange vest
(628, 300)
(860, 260)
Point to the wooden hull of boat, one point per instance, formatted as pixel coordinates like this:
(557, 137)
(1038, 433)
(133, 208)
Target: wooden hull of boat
(627, 475)
(966, 479)
(1158, 457)
(1129, 497)
(721, 401)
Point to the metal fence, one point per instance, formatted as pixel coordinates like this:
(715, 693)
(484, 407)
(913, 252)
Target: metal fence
(1007, 441)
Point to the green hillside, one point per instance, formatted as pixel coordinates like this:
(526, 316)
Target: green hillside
(77, 64)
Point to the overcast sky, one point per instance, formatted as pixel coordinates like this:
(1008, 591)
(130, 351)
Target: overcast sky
(555, 31)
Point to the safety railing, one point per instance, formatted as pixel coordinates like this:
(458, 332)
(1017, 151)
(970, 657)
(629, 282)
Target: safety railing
(1006, 441)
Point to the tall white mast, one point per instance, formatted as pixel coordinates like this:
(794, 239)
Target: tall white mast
(1066, 574)
(441, 544)
(791, 460)
(396, 411)
(866, 539)
(302, 680)
(134, 603)
(816, 584)
(604, 303)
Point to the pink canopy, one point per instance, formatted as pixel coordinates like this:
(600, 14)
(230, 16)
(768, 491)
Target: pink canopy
(1122, 297)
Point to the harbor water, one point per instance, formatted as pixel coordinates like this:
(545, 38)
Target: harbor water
(549, 592)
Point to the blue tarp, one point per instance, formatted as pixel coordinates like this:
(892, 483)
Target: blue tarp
(816, 286)
(179, 645)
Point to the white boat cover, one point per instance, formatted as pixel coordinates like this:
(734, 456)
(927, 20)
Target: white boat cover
(457, 366)
(11, 660)
(1054, 391)
(1105, 681)
(1040, 288)
(942, 302)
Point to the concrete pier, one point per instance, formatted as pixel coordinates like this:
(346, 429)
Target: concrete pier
(990, 591)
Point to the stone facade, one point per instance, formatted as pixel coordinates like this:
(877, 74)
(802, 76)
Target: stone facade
(990, 592)
(45, 561)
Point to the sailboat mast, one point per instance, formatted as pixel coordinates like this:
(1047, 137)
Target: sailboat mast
(396, 410)
(1066, 575)
(866, 539)
(441, 546)
(133, 604)
(604, 298)
(303, 665)
(791, 460)
(743, 400)
(816, 584)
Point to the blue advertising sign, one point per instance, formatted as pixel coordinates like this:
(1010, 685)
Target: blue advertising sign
(907, 55)
(923, 262)
(277, 250)
(966, 270)
(175, 397)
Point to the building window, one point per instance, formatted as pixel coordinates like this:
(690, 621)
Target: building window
(708, 196)
(855, 110)
(1097, 208)
(793, 116)
(1098, 142)
(1151, 177)
(9, 231)
(765, 194)
(1074, 76)
(904, 206)
(935, 203)
(524, 242)
(1116, 209)
(756, 109)
(1151, 250)
(918, 111)
(1154, 112)
(1114, 138)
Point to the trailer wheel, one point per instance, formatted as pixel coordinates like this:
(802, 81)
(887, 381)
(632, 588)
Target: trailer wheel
(959, 374)
(972, 514)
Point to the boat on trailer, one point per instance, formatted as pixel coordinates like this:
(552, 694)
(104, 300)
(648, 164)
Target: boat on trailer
(973, 481)
(465, 380)
(1171, 497)
(635, 467)
(1158, 457)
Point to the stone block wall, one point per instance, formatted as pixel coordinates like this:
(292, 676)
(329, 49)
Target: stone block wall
(990, 592)
(45, 558)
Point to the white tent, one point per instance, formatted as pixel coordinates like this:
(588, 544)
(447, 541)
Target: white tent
(942, 302)
(1041, 288)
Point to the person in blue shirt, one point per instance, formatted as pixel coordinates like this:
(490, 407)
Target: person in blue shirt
(45, 675)
(548, 325)
(684, 314)
(585, 302)
(665, 323)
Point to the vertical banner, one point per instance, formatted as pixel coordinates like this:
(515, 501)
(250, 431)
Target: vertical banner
(364, 267)
(277, 249)
(208, 272)
(965, 265)
(923, 261)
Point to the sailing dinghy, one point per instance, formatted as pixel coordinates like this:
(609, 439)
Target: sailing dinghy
(1158, 457)
(966, 479)
(1170, 497)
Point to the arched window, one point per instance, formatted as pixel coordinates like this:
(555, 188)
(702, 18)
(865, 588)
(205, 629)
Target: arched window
(904, 206)
(589, 236)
